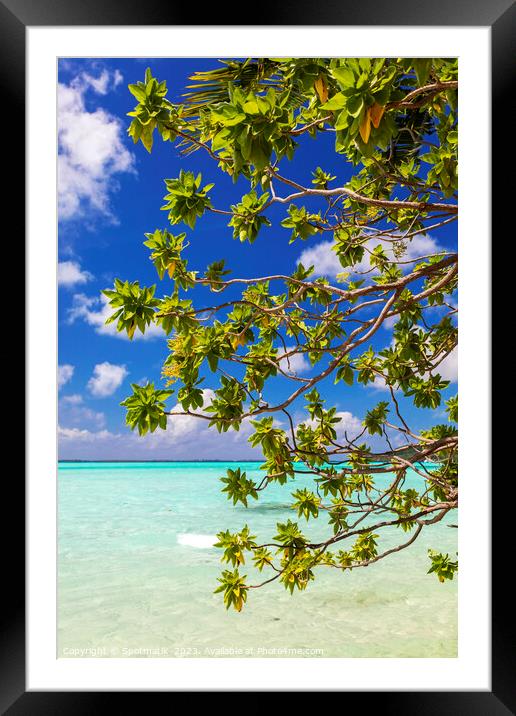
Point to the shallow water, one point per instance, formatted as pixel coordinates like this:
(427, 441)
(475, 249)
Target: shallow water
(137, 573)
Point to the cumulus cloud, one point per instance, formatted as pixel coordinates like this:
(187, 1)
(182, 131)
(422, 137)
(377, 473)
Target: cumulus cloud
(73, 412)
(64, 374)
(186, 438)
(194, 430)
(322, 258)
(86, 416)
(91, 148)
(326, 263)
(69, 273)
(74, 399)
(295, 364)
(349, 425)
(106, 378)
(118, 78)
(95, 310)
(101, 84)
(378, 384)
(82, 435)
(178, 426)
(351, 429)
(449, 368)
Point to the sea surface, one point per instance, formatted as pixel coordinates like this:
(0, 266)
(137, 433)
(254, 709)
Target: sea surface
(137, 570)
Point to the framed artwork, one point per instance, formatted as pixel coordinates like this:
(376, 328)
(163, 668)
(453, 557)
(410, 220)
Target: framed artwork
(123, 522)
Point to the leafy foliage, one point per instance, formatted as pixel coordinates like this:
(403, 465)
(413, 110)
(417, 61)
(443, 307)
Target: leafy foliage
(185, 200)
(395, 122)
(135, 306)
(146, 408)
(246, 220)
(442, 566)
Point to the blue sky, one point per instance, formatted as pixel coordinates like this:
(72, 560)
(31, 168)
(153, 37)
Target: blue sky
(109, 193)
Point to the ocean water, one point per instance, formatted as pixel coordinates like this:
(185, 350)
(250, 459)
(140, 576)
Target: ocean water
(137, 570)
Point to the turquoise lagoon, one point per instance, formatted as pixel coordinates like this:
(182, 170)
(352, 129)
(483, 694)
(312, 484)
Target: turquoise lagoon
(137, 570)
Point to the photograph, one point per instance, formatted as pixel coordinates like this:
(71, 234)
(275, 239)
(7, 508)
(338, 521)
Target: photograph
(259, 283)
(258, 341)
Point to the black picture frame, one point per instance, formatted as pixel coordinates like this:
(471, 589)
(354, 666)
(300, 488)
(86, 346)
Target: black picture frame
(15, 16)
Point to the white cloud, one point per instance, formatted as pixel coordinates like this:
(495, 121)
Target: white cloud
(296, 364)
(389, 322)
(178, 426)
(449, 368)
(81, 417)
(73, 411)
(100, 84)
(186, 438)
(91, 149)
(322, 258)
(326, 263)
(195, 430)
(349, 425)
(95, 310)
(64, 374)
(118, 78)
(82, 435)
(106, 378)
(378, 383)
(72, 399)
(69, 273)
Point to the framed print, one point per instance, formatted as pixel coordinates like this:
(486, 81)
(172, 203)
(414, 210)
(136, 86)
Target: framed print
(290, 318)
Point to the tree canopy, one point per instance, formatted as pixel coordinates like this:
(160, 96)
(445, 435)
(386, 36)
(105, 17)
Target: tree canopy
(395, 122)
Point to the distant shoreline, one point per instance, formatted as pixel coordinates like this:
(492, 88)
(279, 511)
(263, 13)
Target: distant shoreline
(229, 460)
(150, 462)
